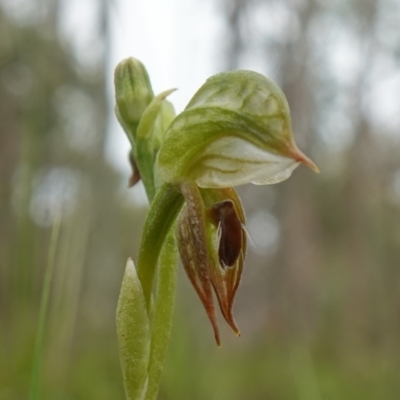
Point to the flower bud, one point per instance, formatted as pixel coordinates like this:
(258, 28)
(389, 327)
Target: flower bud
(235, 130)
(133, 92)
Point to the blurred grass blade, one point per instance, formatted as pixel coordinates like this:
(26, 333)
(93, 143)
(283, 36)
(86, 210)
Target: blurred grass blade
(34, 393)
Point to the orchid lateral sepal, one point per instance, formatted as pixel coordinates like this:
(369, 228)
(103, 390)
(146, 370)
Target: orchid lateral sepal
(194, 249)
(212, 256)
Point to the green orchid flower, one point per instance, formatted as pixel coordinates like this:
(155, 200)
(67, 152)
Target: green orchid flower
(235, 130)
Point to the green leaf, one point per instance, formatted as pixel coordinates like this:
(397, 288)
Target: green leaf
(133, 329)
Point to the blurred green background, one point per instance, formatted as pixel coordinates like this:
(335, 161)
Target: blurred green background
(319, 304)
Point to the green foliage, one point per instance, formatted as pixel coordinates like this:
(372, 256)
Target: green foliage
(134, 334)
(44, 303)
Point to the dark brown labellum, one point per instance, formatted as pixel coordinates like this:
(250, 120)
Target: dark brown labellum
(224, 216)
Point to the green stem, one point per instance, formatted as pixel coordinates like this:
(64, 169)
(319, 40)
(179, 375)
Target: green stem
(158, 246)
(162, 214)
(34, 393)
(162, 314)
